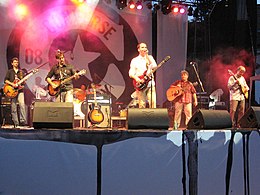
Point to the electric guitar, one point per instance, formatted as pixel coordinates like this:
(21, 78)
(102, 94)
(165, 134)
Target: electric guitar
(145, 78)
(11, 91)
(95, 115)
(175, 91)
(242, 88)
(59, 83)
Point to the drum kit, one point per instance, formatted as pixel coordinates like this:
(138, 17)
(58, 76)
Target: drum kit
(80, 95)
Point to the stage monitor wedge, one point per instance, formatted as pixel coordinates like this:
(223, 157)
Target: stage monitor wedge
(58, 115)
(147, 118)
(251, 119)
(210, 119)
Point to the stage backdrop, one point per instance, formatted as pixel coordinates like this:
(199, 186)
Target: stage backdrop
(97, 37)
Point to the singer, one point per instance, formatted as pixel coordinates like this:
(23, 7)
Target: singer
(141, 66)
(61, 71)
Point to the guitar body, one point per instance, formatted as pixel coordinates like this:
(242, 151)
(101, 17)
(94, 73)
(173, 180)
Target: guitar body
(173, 92)
(10, 91)
(54, 91)
(139, 86)
(95, 116)
(145, 78)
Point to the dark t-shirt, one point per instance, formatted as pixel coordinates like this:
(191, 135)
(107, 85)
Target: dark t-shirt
(11, 76)
(61, 73)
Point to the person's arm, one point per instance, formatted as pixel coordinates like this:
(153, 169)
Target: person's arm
(195, 101)
(132, 71)
(49, 80)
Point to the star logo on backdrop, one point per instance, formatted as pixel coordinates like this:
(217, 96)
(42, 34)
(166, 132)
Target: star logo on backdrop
(76, 58)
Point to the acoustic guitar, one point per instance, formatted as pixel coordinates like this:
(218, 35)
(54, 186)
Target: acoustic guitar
(95, 115)
(145, 78)
(175, 91)
(11, 91)
(59, 83)
(242, 88)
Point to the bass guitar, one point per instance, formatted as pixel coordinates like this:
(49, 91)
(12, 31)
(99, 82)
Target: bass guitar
(242, 88)
(145, 78)
(95, 115)
(175, 91)
(59, 83)
(11, 91)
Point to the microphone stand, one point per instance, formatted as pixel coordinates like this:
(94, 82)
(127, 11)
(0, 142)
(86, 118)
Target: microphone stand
(199, 81)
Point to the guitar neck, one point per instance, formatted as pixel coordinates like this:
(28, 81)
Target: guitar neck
(95, 97)
(25, 78)
(67, 79)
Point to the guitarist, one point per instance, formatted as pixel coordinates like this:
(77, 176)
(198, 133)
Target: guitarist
(184, 101)
(139, 67)
(61, 71)
(12, 77)
(237, 89)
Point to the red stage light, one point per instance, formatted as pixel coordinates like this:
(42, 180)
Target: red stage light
(182, 10)
(139, 5)
(175, 9)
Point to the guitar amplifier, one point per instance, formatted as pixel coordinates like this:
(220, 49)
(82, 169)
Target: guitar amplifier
(104, 101)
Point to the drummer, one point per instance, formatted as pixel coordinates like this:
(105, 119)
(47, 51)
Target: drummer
(81, 93)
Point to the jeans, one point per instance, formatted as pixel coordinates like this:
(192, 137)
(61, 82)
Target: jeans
(20, 100)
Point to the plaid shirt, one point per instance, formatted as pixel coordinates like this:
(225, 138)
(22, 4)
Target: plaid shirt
(188, 91)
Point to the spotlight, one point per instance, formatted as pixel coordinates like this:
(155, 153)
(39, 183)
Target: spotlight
(131, 4)
(121, 4)
(175, 9)
(149, 5)
(139, 5)
(182, 10)
(166, 6)
(156, 6)
(190, 10)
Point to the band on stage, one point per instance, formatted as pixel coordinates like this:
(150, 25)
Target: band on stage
(182, 94)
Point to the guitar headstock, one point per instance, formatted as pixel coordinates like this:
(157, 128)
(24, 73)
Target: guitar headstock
(35, 70)
(82, 72)
(167, 58)
(231, 73)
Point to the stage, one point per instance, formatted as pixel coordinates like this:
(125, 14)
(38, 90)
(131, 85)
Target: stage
(129, 161)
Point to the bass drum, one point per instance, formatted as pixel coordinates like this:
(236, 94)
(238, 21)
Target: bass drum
(84, 107)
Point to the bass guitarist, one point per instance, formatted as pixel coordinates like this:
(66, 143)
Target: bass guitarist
(12, 78)
(238, 89)
(60, 72)
(140, 67)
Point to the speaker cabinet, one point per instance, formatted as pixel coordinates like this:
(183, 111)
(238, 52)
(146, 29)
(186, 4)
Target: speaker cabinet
(251, 119)
(147, 118)
(210, 119)
(53, 115)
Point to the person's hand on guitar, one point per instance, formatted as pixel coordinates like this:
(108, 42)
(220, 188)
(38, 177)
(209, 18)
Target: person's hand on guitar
(54, 85)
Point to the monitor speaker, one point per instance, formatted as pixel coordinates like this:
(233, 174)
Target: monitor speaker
(53, 115)
(147, 118)
(251, 119)
(210, 119)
